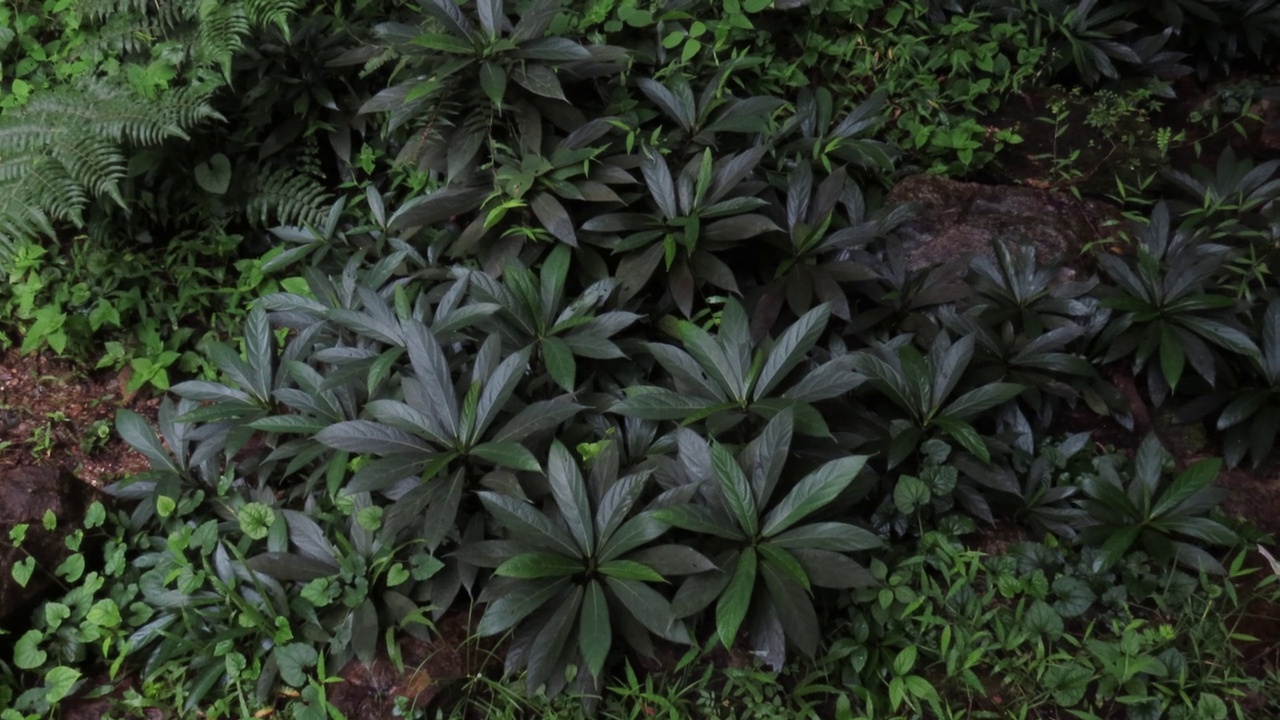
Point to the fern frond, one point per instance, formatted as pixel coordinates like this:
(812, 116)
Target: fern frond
(272, 12)
(21, 218)
(291, 197)
(61, 197)
(91, 162)
(222, 32)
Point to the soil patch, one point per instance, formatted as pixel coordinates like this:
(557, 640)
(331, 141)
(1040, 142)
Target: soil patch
(52, 413)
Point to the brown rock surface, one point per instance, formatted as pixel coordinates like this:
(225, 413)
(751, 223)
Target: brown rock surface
(26, 494)
(957, 220)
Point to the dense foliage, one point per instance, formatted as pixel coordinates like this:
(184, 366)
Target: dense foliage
(594, 317)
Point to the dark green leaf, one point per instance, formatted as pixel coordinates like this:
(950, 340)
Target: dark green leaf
(649, 607)
(630, 570)
(981, 399)
(732, 606)
(813, 493)
(135, 431)
(560, 363)
(834, 536)
(595, 635)
(673, 559)
(554, 217)
(700, 520)
(570, 493)
(795, 610)
(532, 566)
(537, 417)
(507, 454)
(520, 518)
(736, 488)
(659, 404)
(364, 436)
(791, 348)
(658, 178)
(516, 604)
(438, 206)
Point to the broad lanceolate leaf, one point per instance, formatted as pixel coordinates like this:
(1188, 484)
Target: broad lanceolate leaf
(516, 604)
(791, 348)
(365, 436)
(135, 431)
(700, 520)
(531, 566)
(983, 398)
(812, 493)
(432, 370)
(655, 403)
(571, 497)
(734, 602)
(595, 634)
(507, 454)
(649, 607)
(736, 488)
(521, 519)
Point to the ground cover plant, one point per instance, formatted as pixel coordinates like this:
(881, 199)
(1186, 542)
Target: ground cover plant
(590, 328)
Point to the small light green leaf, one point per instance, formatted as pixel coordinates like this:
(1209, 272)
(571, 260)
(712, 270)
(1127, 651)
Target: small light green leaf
(292, 660)
(27, 654)
(55, 613)
(256, 520)
(397, 574)
(104, 613)
(905, 661)
(60, 681)
(910, 494)
(23, 569)
(214, 176)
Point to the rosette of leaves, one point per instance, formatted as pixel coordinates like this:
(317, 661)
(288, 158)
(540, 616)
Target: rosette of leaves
(1044, 364)
(707, 207)
(1044, 485)
(1250, 415)
(534, 312)
(1013, 286)
(567, 583)
(1169, 309)
(350, 586)
(922, 391)
(465, 73)
(435, 424)
(541, 173)
(258, 399)
(816, 233)
(771, 558)
(897, 296)
(714, 110)
(1228, 199)
(174, 466)
(1090, 36)
(725, 378)
(819, 139)
(1134, 505)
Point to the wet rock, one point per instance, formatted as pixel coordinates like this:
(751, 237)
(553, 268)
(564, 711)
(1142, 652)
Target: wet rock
(957, 220)
(26, 494)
